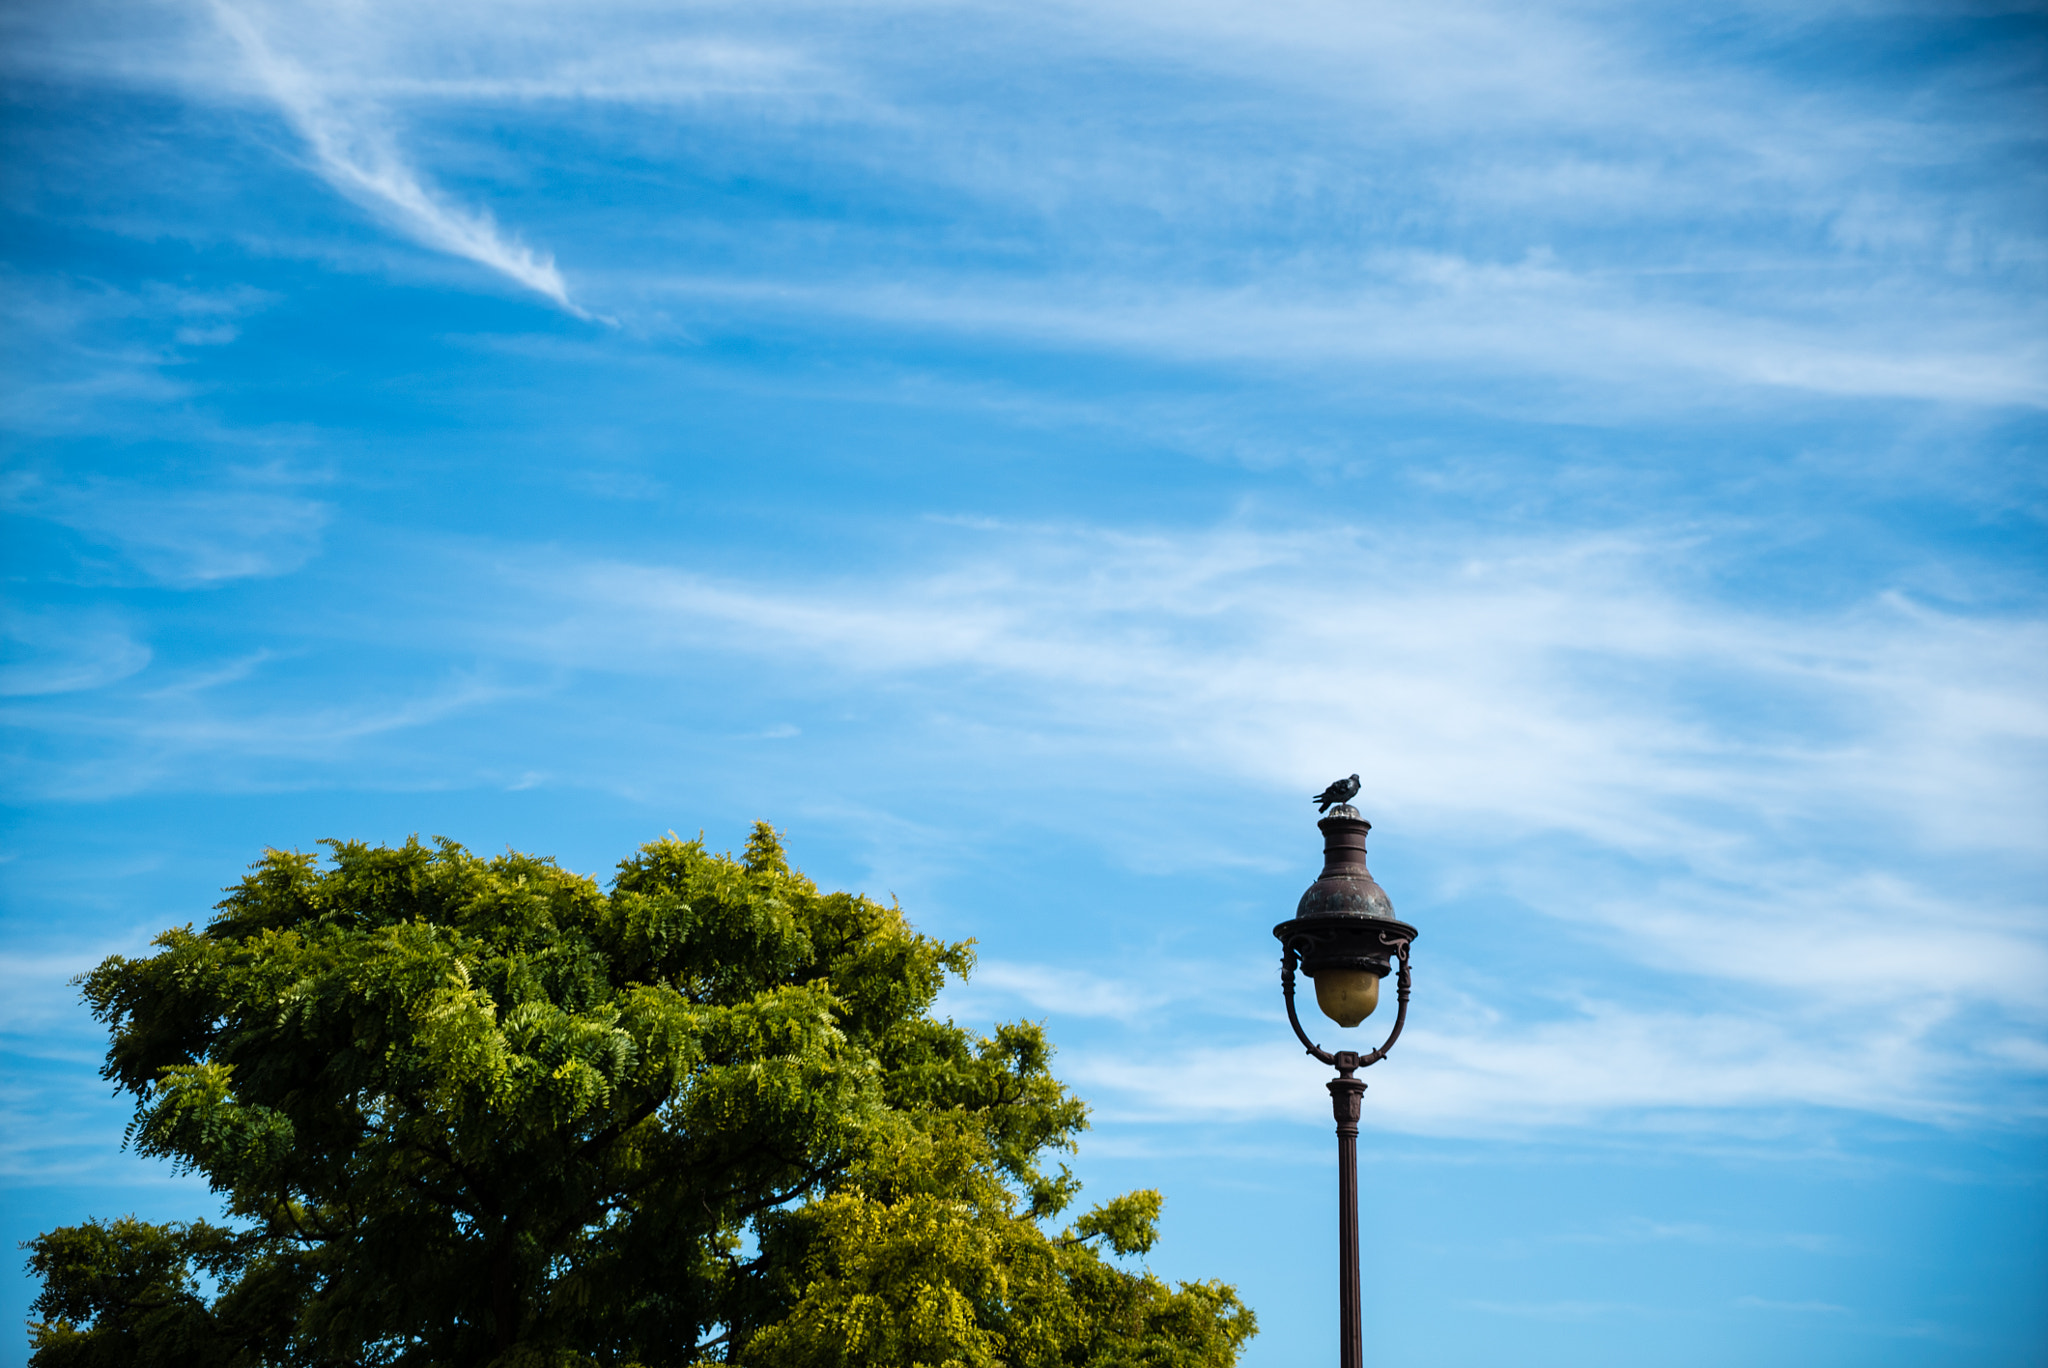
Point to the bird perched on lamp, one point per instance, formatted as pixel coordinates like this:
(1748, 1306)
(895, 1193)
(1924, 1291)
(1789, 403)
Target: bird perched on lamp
(1343, 791)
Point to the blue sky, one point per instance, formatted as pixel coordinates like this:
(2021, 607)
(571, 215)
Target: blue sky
(1023, 451)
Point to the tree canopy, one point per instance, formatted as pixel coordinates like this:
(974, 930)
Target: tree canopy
(485, 1111)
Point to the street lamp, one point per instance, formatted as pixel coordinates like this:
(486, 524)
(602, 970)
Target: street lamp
(1345, 937)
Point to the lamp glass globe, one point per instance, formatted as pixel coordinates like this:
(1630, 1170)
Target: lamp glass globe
(1347, 996)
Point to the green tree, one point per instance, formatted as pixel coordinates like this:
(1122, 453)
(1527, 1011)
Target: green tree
(468, 1111)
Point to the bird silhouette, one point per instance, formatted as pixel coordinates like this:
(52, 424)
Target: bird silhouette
(1343, 791)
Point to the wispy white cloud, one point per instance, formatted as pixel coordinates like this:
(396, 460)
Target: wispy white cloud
(1565, 685)
(1071, 992)
(95, 357)
(1615, 1068)
(1677, 782)
(1641, 1230)
(1450, 186)
(1415, 313)
(1804, 1308)
(1479, 1060)
(1582, 699)
(201, 732)
(36, 995)
(183, 536)
(1576, 694)
(358, 155)
(50, 652)
(1569, 1311)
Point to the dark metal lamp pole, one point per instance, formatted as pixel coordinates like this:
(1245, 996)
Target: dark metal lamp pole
(1345, 937)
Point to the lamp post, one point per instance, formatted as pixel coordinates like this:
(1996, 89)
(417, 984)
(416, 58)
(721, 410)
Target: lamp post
(1345, 937)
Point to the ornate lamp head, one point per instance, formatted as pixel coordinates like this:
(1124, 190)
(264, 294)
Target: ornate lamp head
(1344, 931)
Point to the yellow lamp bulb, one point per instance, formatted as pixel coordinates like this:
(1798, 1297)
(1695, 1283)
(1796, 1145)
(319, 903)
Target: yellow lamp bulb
(1347, 996)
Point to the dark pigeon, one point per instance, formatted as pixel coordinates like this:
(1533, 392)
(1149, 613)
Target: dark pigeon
(1343, 791)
